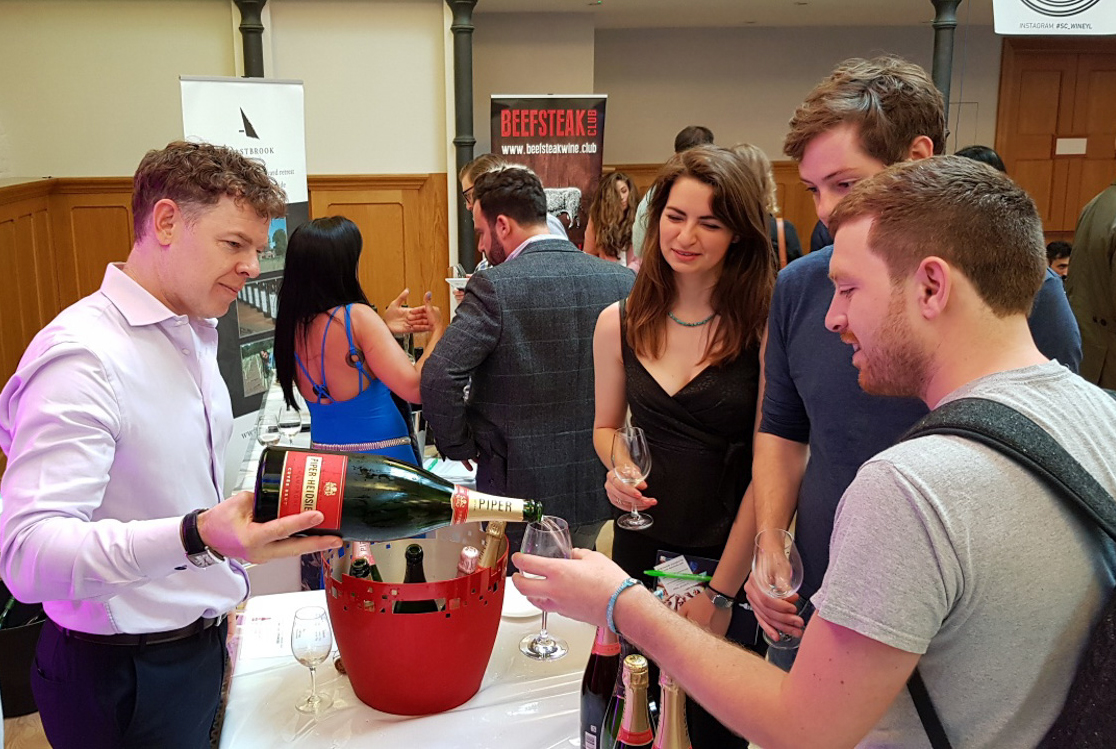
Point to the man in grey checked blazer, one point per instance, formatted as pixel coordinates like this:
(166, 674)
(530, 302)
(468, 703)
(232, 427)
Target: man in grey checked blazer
(522, 340)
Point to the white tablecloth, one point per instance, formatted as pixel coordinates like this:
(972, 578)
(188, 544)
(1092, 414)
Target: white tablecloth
(521, 704)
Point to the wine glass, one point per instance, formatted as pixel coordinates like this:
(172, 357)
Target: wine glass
(267, 430)
(777, 567)
(311, 643)
(548, 537)
(290, 422)
(631, 463)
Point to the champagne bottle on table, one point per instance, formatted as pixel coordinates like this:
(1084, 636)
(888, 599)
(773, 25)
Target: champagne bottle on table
(597, 686)
(610, 728)
(635, 725)
(673, 733)
(370, 497)
(493, 544)
(415, 574)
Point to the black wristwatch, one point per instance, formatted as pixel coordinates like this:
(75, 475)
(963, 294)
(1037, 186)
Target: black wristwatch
(719, 599)
(197, 552)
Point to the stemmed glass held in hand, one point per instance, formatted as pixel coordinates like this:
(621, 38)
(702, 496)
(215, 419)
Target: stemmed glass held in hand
(290, 422)
(631, 464)
(311, 643)
(267, 430)
(777, 568)
(549, 537)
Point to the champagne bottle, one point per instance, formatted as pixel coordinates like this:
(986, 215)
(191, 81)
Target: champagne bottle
(370, 497)
(673, 733)
(610, 728)
(467, 563)
(493, 544)
(635, 726)
(596, 686)
(414, 574)
(364, 564)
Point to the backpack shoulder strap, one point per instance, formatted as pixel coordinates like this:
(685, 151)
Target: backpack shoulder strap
(1003, 428)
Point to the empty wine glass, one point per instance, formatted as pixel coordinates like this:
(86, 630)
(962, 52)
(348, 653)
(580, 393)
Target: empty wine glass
(777, 568)
(267, 430)
(549, 537)
(631, 463)
(290, 422)
(311, 643)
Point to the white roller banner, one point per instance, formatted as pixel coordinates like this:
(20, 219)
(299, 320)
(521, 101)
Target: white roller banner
(1055, 17)
(262, 119)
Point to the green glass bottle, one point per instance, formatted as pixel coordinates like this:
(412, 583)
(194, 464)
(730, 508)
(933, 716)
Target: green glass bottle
(370, 497)
(414, 574)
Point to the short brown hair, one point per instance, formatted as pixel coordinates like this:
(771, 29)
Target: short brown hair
(890, 100)
(486, 162)
(963, 211)
(513, 191)
(199, 174)
(743, 292)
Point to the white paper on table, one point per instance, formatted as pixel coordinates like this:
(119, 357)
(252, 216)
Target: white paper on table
(264, 636)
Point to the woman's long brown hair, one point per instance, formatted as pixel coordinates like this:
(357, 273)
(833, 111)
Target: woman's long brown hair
(742, 295)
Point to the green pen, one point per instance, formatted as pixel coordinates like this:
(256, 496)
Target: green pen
(678, 575)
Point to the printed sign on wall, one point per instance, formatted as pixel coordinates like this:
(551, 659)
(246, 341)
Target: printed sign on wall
(1055, 17)
(561, 138)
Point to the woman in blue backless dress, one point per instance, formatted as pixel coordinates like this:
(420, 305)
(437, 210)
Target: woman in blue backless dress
(332, 346)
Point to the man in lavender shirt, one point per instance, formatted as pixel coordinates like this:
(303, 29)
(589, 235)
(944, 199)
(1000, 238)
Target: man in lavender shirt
(115, 426)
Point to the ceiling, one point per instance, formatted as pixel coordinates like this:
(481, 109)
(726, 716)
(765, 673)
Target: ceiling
(619, 14)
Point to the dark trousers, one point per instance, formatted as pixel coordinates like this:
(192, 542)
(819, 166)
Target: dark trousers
(94, 696)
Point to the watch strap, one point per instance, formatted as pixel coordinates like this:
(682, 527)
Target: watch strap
(711, 589)
(191, 539)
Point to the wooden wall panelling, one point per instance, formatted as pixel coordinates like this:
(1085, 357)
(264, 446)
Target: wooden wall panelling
(92, 220)
(404, 225)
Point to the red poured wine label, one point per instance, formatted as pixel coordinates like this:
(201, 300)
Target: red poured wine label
(460, 501)
(635, 739)
(313, 481)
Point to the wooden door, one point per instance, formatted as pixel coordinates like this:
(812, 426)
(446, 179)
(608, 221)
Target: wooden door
(1056, 126)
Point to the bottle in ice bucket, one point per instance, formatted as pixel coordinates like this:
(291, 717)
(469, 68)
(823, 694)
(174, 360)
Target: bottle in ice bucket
(414, 574)
(596, 686)
(364, 564)
(635, 726)
(467, 562)
(673, 733)
(370, 497)
(493, 544)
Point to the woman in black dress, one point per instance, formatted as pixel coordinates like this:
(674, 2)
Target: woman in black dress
(682, 352)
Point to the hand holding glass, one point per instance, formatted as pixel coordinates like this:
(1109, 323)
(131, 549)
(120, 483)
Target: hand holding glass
(777, 568)
(311, 643)
(290, 422)
(631, 464)
(549, 537)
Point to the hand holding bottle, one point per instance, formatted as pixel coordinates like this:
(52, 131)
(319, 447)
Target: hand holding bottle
(229, 529)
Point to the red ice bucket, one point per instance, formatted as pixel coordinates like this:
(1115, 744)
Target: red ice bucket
(416, 664)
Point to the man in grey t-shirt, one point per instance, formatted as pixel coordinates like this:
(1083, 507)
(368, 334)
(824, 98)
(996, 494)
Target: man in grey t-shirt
(945, 555)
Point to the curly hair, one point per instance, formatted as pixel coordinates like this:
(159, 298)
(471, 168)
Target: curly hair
(742, 294)
(612, 221)
(890, 100)
(200, 174)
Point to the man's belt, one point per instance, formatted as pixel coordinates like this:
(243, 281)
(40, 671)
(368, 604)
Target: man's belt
(150, 638)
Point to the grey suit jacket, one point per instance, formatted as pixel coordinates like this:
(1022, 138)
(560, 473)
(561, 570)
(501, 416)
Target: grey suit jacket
(523, 335)
(1091, 287)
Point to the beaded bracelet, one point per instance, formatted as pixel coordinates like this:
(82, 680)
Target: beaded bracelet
(612, 603)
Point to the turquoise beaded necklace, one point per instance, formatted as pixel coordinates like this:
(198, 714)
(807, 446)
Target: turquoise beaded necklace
(697, 324)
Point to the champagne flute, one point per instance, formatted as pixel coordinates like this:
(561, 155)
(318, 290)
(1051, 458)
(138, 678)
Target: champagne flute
(267, 430)
(777, 567)
(631, 463)
(290, 422)
(311, 643)
(548, 537)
